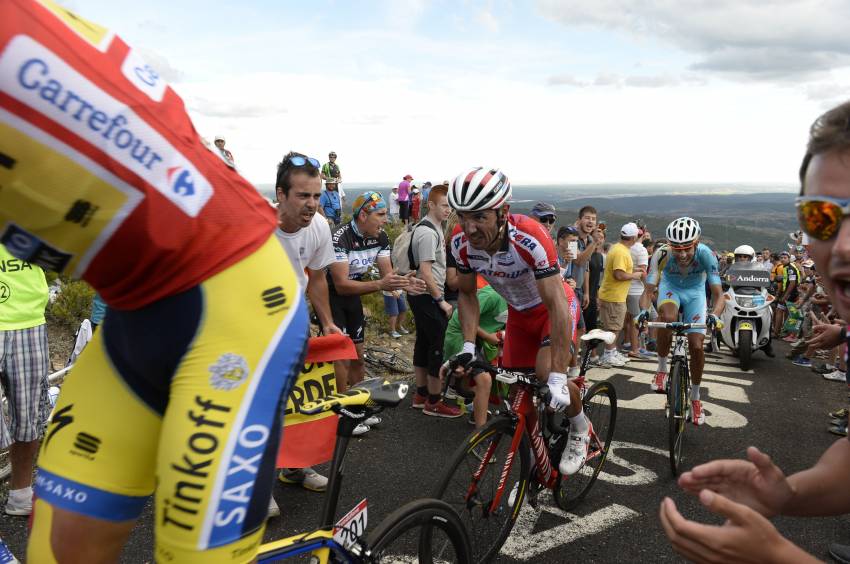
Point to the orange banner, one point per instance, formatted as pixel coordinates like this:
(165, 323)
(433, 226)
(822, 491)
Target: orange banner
(309, 439)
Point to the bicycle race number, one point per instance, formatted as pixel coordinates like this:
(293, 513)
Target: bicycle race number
(352, 526)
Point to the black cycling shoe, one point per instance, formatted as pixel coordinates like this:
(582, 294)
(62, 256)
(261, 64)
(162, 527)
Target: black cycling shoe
(840, 553)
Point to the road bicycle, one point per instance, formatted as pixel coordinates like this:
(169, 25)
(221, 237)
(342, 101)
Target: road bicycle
(424, 530)
(383, 359)
(517, 452)
(678, 407)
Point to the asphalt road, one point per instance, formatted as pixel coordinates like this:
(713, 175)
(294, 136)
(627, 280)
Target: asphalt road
(779, 407)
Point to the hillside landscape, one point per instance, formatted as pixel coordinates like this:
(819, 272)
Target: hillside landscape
(761, 216)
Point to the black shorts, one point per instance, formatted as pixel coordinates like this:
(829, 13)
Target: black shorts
(404, 210)
(431, 325)
(347, 312)
(591, 314)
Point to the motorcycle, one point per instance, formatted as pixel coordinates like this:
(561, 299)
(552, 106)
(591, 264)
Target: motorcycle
(747, 316)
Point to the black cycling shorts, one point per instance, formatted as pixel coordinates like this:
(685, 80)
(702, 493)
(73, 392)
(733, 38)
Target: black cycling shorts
(347, 312)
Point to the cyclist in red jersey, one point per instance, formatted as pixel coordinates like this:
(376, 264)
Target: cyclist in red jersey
(517, 257)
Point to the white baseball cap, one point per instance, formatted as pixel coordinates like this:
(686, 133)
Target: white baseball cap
(629, 230)
(219, 138)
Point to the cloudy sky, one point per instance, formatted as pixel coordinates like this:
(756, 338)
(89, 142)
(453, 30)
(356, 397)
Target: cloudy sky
(551, 91)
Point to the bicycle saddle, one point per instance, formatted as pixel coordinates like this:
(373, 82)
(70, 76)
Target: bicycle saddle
(370, 393)
(599, 335)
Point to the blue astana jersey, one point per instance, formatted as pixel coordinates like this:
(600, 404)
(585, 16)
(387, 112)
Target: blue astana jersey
(702, 267)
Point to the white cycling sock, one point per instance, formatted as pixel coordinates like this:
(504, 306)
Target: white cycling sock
(694, 392)
(662, 364)
(579, 423)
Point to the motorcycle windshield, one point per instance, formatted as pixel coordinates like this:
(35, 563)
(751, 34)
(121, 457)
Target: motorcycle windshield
(748, 275)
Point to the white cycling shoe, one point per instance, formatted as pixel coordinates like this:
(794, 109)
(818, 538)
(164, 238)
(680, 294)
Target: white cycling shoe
(575, 455)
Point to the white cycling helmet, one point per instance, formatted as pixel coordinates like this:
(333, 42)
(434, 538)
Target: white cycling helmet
(479, 189)
(683, 230)
(745, 250)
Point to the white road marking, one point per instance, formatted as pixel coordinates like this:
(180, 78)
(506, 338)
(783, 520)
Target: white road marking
(716, 415)
(640, 475)
(524, 544)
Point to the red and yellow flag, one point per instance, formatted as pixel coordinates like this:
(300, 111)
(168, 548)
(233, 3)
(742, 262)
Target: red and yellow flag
(309, 439)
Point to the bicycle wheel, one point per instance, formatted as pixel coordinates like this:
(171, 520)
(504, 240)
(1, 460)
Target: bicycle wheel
(427, 531)
(600, 407)
(677, 404)
(484, 456)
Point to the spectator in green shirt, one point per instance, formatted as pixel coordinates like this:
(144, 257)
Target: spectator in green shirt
(491, 323)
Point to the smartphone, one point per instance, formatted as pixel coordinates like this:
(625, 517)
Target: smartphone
(573, 248)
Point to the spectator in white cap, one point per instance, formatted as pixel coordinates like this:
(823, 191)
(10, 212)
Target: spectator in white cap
(616, 280)
(225, 154)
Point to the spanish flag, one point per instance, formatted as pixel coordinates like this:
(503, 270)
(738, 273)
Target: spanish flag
(309, 439)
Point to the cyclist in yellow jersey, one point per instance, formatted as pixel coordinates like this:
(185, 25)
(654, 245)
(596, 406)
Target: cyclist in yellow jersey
(178, 396)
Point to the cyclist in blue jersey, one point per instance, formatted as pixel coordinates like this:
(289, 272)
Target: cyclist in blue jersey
(681, 289)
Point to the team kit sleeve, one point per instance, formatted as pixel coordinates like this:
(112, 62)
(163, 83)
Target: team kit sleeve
(654, 275)
(340, 250)
(543, 255)
(457, 248)
(711, 267)
(386, 249)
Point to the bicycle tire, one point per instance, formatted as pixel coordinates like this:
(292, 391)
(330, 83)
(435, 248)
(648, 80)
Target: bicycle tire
(385, 358)
(677, 402)
(415, 528)
(456, 482)
(600, 406)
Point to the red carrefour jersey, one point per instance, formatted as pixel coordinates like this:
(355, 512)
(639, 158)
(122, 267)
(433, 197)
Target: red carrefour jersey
(527, 254)
(102, 174)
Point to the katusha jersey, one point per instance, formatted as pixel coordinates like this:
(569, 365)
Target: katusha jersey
(703, 267)
(102, 174)
(527, 254)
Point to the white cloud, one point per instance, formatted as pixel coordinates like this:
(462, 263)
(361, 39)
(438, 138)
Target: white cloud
(772, 39)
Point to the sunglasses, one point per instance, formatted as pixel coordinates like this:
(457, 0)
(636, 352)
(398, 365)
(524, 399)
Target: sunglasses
(821, 216)
(550, 219)
(680, 248)
(301, 160)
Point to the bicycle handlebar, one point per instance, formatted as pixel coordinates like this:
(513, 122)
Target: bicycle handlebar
(675, 325)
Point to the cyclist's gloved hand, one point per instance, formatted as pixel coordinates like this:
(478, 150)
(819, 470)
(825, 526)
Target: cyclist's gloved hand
(642, 317)
(464, 357)
(560, 394)
(713, 322)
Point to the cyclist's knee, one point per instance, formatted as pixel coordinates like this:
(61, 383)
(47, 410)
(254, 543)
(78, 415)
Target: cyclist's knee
(63, 536)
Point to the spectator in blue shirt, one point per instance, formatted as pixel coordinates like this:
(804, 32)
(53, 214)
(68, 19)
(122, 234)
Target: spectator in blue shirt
(329, 204)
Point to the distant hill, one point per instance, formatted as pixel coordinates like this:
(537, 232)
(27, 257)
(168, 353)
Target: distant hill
(760, 220)
(761, 216)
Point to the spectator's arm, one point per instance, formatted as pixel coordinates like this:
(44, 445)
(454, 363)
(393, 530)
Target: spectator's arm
(584, 256)
(820, 490)
(317, 291)
(622, 275)
(427, 276)
(346, 287)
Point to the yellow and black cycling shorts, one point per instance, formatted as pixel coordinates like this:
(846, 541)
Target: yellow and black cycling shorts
(181, 399)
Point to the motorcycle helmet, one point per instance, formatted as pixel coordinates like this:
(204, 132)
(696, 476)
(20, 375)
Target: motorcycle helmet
(745, 251)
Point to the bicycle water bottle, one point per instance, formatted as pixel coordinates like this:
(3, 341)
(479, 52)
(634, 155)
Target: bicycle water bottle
(6, 556)
(53, 394)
